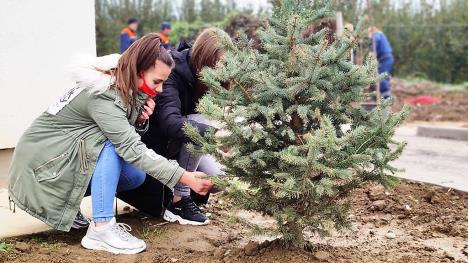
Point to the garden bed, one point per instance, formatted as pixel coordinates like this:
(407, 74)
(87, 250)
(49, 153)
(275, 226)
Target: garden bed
(453, 106)
(414, 222)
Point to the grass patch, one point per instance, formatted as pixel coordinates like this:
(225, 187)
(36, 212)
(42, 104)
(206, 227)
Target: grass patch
(232, 218)
(6, 247)
(152, 233)
(36, 239)
(6, 251)
(51, 246)
(447, 86)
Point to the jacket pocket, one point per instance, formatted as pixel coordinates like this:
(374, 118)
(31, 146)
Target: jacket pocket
(52, 168)
(83, 157)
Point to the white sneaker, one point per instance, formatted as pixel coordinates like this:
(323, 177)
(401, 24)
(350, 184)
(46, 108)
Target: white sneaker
(113, 237)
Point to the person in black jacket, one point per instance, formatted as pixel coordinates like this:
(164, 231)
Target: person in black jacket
(177, 105)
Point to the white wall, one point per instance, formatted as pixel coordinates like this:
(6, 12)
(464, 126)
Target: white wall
(37, 40)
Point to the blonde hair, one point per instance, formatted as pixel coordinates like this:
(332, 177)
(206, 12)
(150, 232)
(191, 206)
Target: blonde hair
(206, 52)
(373, 29)
(315, 27)
(208, 48)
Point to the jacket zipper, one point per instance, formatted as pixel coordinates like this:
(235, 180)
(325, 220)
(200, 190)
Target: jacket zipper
(49, 161)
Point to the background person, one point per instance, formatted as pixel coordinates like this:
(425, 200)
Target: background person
(384, 56)
(128, 35)
(165, 33)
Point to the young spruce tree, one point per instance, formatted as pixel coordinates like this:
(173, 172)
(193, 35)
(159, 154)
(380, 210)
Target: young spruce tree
(283, 135)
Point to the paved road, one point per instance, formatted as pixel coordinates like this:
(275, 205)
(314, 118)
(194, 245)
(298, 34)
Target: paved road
(436, 161)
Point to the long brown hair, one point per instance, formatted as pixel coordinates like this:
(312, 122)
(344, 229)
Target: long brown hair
(328, 22)
(206, 52)
(140, 56)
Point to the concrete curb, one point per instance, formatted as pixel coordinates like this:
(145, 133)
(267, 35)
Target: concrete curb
(21, 223)
(459, 134)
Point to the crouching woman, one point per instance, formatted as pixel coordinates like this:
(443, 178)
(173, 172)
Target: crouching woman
(176, 106)
(89, 141)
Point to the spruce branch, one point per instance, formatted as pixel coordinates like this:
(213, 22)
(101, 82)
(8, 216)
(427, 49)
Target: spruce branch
(244, 90)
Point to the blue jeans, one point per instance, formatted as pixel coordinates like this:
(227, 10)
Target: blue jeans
(385, 66)
(112, 174)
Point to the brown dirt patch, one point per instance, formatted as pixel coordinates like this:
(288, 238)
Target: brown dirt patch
(414, 222)
(454, 105)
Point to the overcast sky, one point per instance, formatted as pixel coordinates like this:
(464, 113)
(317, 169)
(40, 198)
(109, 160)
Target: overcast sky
(255, 3)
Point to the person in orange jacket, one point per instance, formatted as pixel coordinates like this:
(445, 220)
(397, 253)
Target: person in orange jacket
(165, 33)
(129, 34)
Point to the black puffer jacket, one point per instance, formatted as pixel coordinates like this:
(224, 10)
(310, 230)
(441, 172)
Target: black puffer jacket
(173, 105)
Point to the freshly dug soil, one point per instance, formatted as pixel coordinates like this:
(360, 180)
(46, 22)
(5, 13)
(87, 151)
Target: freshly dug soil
(414, 222)
(453, 107)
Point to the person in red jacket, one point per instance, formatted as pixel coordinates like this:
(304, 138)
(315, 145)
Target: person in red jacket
(129, 34)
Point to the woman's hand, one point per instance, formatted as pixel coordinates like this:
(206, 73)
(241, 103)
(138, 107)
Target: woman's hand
(149, 108)
(197, 182)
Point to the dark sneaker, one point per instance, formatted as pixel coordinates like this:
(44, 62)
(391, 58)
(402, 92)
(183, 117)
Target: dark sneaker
(80, 222)
(186, 212)
(199, 199)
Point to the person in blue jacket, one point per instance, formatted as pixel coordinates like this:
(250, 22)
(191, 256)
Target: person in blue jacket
(165, 33)
(384, 57)
(128, 35)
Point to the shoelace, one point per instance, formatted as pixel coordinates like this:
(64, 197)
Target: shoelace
(123, 230)
(81, 217)
(192, 206)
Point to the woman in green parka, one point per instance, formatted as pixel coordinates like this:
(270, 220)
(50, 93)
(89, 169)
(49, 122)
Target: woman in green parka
(89, 140)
